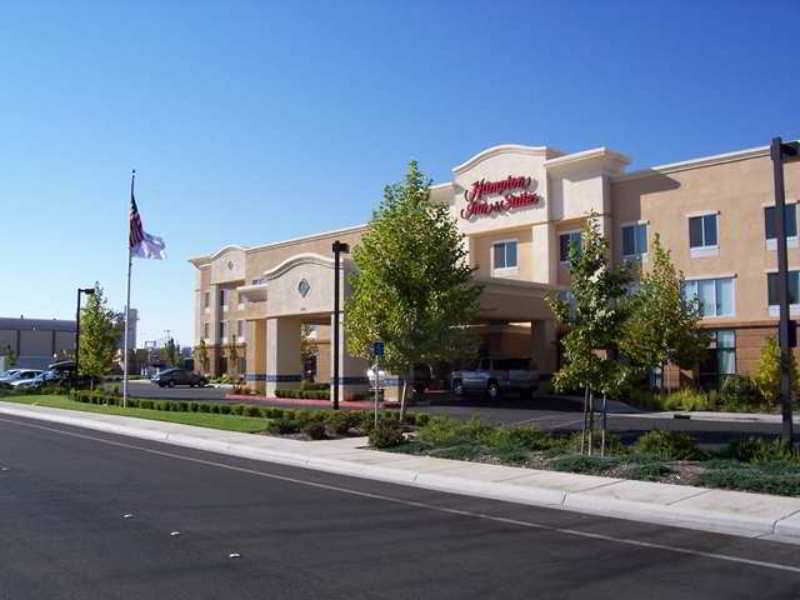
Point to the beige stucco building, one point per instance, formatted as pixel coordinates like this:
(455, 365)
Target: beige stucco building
(520, 207)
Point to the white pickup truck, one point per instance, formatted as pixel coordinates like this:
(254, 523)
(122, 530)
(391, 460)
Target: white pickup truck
(495, 376)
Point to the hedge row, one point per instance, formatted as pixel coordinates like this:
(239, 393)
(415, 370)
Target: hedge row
(322, 394)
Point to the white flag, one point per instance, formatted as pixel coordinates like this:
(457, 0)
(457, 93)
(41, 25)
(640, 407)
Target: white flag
(151, 246)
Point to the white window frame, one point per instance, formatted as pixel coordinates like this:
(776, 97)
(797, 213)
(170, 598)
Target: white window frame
(505, 270)
(637, 257)
(774, 310)
(792, 240)
(704, 251)
(732, 277)
(206, 302)
(568, 232)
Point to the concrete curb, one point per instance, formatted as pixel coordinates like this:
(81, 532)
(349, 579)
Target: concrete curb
(749, 515)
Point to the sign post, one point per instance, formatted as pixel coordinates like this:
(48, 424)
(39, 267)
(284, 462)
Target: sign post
(377, 351)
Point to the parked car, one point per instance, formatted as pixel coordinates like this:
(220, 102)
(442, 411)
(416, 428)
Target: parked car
(42, 379)
(20, 374)
(8, 374)
(173, 377)
(495, 376)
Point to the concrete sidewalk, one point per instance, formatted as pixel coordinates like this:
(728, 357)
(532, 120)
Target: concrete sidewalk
(751, 515)
(727, 417)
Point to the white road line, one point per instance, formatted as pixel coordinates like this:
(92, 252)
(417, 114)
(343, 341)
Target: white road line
(422, 505)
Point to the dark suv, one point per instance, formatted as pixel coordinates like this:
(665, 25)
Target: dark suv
(173, 377)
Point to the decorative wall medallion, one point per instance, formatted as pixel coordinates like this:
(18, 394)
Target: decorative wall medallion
(303, 287)
(230, 265)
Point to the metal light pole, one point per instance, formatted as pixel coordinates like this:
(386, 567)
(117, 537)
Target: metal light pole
(338, 249)
(90, 292)
(778, 151)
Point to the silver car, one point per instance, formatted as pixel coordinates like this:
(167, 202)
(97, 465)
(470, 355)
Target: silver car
(42, 379)
(21, 375)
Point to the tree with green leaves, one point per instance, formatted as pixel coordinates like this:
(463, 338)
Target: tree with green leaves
(201, 355)
(663, 327)
(412, 287)
(594, 321)
(768, 372)
(308, 344)
(101, 330)
(172, 353)
(232, 351)
(11, 357)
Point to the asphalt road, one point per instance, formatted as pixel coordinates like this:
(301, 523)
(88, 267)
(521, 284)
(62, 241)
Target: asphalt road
(304, 534)
(545, 412)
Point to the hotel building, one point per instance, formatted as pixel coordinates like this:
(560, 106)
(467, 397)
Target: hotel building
(519, 208)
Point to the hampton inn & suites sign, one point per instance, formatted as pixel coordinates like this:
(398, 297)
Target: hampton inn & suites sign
(517, 192)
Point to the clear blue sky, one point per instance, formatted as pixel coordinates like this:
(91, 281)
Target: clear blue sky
(251, 122)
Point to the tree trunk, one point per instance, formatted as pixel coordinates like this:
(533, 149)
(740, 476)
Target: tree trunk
(605, 425)
(585, 419)
(591, 422)
(403, 401)
(663, 379)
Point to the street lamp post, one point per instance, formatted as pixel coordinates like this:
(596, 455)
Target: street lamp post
(778, 153)
(90, 292)
(338, 249)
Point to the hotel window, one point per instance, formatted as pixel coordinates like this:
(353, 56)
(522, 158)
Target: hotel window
(790, 226)
(223, 301)
(504, 255)
(240, 328)
(719, 362)
(703, 231)
(566, 241)
(634, 240)
(206, 300)
(222, 329)
(205, 330)
(793, 291)
(717, 296)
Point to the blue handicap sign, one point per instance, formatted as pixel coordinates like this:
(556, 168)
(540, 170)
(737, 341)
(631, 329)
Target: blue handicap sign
(377, 349)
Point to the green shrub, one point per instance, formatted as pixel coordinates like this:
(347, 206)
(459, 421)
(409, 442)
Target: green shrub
(284, 426)
(253, 411)
(668, 445)
(687, 399)
(205, 407)
(238, 409)
(215, 409)
(386, 434)
(194, 407)
(526, 438)
(148, 404)
(647, 471)
(579, 463)
(442, 431)
(225, 409)
(316, 431)
(133, 403)
(740, 393)
(164, 405)
(768, 373)
(273, 413)
(751, 480)
(423, 419)
(761, 450)
(341, 422)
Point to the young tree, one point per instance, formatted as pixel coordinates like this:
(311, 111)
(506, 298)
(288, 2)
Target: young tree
(172, 353)
(101, 329)
(663, 327)
(201, 355)
(412, 287)
(768, 373)
(233, 356)
(308, 344)
(594, 321)
(9, 353)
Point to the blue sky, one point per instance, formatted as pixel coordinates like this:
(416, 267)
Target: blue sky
(251, 122)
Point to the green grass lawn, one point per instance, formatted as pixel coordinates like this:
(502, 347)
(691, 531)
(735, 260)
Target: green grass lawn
(226, 422)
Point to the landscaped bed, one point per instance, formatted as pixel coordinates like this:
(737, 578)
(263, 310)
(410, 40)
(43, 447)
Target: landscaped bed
(748, 464)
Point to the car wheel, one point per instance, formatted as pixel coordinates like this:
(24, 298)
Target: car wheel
(458, 388)
(493, 390)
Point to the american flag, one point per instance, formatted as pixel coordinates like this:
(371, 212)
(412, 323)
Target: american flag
(137, 233)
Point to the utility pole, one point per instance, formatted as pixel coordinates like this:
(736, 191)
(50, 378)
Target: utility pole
(778, 151)
(338, 248)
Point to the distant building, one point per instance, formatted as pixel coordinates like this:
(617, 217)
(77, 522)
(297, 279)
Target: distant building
(35, 342)
(133, 318)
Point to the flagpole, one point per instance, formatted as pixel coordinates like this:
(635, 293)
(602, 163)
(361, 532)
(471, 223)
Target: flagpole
(127, 312)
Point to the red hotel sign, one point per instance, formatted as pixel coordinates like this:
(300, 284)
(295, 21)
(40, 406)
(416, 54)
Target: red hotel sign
(478, 205)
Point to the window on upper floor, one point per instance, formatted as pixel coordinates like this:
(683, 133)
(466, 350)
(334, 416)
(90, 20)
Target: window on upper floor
(222, 329)
(205, 330)
(223, 298)
(717, 296)
(206, 299)
(790, 226)
(634, 240)
(240, 328)
(567, 241)
(504, 255)
(703, 235)
(793, 291)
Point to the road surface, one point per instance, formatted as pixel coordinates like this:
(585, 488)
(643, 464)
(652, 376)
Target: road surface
(201, 525)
